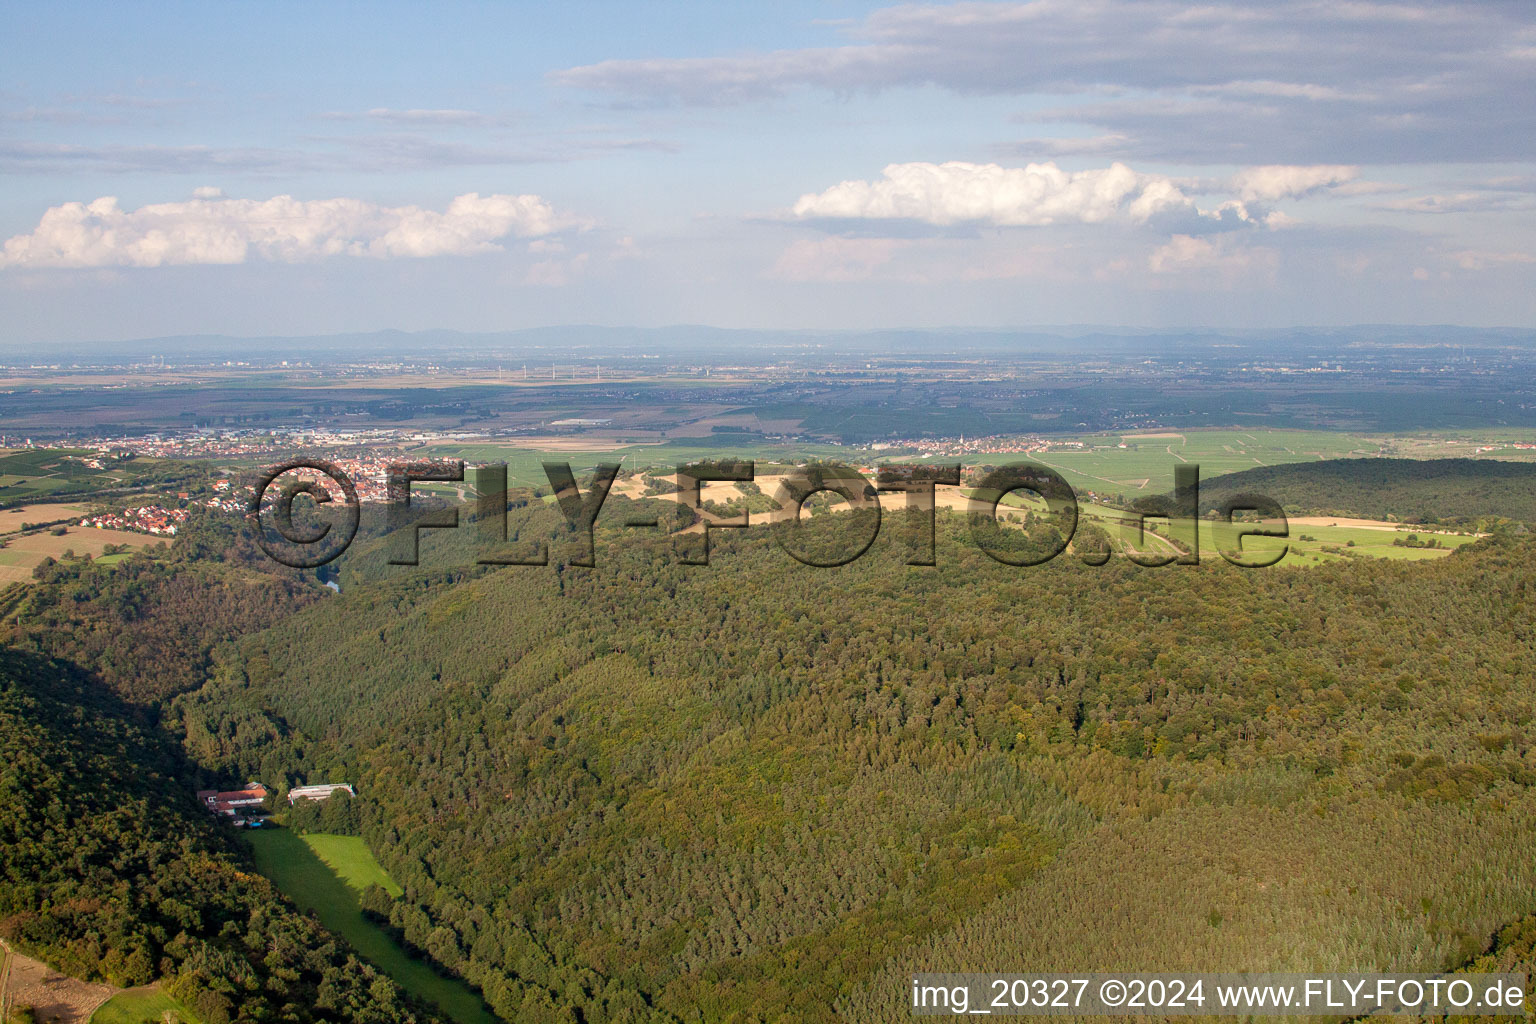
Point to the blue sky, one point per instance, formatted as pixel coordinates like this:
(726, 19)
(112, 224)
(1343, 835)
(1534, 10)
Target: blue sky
(290, 169)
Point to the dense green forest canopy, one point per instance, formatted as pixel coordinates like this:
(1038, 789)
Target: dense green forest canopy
(1428, 491)
(761, 791)
(756, 790)
(110, 871)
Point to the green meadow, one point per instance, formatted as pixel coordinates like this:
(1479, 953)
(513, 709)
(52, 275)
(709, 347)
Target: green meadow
(1305, 545)
(326, 874)
(1146, 463)
(147, 1005)
(352, 861)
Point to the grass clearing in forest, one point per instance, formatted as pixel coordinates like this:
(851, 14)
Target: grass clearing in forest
(352, 861)
(292, 862)
(146, 1005)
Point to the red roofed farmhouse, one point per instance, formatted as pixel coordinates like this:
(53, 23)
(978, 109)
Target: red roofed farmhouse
(233, 802)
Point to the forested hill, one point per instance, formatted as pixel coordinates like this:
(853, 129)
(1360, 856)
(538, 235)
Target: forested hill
(1451, 491)
(761, 791)
(109, 870)
(146, 627)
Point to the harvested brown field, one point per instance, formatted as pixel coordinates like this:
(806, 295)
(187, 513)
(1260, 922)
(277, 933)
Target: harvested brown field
(54, 997)
(23, 554)
(12, 518)
(1363, 524)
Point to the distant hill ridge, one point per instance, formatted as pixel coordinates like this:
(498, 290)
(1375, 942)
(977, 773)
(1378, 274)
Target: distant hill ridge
(1409, 490)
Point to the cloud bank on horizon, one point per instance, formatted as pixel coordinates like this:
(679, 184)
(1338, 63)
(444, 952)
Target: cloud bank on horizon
(210, 229)
(1153, 161)
(213, 229)
(1041, 194)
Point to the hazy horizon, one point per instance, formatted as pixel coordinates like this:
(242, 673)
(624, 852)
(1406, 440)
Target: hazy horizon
(673, 334)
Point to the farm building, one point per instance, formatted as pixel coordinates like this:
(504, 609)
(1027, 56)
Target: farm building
(235, 802)
(319, 792)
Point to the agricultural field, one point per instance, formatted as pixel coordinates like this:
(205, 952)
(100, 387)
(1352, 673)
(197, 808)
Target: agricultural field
(39, 472)
(525, 465)
(1311, 540)
(295, 864)
(1489, 443)
(25, 553)
(1146, 462)
(1306, 544)
(53, 997)
(13, 519)
(1117, 467)
(1120, 465)
(32, 474)
(1310, 544)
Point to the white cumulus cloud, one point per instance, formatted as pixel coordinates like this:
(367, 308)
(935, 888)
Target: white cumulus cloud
(213, 229)
(1286, 181)
(959, 193)
(965, 193)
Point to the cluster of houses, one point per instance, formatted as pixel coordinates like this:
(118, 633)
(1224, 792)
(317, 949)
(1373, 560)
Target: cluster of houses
(994, 444)
(144, 519)
(369, 475)
(247, 807)
(226, 498)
